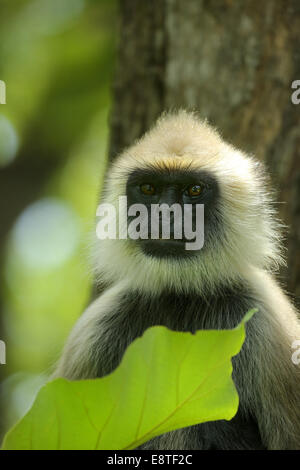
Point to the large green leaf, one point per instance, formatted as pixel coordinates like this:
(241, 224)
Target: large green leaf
(166, 380)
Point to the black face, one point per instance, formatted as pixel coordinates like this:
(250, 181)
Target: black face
(152, 186)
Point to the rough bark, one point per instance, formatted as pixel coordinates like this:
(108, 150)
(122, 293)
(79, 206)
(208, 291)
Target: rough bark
(234, 63)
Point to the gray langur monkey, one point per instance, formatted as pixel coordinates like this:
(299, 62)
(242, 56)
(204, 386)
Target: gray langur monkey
(156, 282)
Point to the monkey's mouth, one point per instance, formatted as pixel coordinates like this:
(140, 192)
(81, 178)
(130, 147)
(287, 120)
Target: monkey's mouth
(165, 248)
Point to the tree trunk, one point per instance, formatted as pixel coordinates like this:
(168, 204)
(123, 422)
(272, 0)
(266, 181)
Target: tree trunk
(233, 62)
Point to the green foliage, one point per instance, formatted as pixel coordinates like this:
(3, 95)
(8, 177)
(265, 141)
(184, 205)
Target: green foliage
(166, 380)
(57, 59)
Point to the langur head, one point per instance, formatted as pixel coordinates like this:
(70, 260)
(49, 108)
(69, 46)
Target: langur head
(190, 211)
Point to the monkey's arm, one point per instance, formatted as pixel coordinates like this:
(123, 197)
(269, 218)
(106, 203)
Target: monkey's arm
(274, 380)
(267, 380)
(90, 349)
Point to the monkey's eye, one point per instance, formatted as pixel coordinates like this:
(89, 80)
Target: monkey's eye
(194, 190)
(147, 189)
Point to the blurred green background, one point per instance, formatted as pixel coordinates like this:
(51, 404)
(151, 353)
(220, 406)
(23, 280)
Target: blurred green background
(56, 58)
